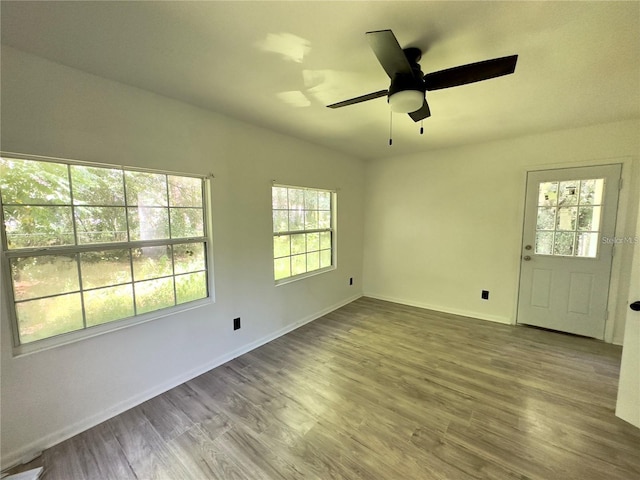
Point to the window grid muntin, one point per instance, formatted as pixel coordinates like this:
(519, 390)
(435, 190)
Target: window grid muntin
(281, 233)
(79, 248)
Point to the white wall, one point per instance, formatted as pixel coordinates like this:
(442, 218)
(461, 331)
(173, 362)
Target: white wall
(444, 225)
(51, 110)
(628, 402)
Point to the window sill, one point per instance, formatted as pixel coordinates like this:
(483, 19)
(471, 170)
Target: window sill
(285, 281)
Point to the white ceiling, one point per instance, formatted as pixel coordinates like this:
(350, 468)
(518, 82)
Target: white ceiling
(277, 64)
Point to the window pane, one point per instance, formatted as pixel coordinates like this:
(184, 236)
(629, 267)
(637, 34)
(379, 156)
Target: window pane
(154, 295)
(564, 243)
(325, 258)
(105, 268)
(108, 304)
(313, 261)
(282, 268)
(324, 200)
(546, 218)
(279, 198)
(281, 246)
(101, 224)
(189, 257)
(185, 191)
(148, 223)
(298, 244)
(152, 262)
(591, 191)
(47, 317)
(589, 218)
(296, 199)
(31, 182)
(566, 219)
(311, 199)
(568, 192)
(548, 194)
(325, 240)
(38, 226)
(324, 220)
(296, 220)
(313, 242)
(311, 220)
(190, 287)
(44, 275)
(97, 186)
(544, 243)
(146, 189)
(587, 245)
(298, 264)
(186, 222)
(280, 220)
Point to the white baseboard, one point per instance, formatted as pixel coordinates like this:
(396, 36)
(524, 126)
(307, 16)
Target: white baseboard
(33, 449)
(439, 308)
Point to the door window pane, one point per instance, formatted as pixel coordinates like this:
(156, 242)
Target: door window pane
(563, 244)
(544, 243)
(568, 192)
(546, 218)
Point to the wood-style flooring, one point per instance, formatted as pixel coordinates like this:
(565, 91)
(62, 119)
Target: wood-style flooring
(377, 390)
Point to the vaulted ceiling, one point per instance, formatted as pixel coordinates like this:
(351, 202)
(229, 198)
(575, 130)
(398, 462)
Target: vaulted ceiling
(278, 64)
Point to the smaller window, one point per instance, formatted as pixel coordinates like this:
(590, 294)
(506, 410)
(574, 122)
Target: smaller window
(303, 232)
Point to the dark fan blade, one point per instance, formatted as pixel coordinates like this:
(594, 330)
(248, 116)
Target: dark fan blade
(421, 113)
(363, 98)
(473, 72)
(390, 55)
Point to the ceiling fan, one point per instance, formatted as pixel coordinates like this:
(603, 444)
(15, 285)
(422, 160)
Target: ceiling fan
(406, 93)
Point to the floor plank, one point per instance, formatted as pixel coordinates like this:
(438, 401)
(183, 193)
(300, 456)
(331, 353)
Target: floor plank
(377, 390)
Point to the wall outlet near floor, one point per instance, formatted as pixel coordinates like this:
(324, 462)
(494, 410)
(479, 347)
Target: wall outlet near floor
(485, 294)
(350, 280)
(236, 323)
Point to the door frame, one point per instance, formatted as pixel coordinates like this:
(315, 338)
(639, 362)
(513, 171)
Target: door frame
(621, 263)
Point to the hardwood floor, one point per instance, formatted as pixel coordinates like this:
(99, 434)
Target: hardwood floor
(377, 390)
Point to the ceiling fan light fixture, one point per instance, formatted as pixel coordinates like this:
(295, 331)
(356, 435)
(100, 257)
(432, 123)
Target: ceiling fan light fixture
(406, 101)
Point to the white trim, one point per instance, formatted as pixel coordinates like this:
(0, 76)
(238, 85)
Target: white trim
(31, 450)
(439, 308)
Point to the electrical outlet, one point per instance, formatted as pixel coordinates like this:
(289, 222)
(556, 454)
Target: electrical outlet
(485, 294)
(350, 280)
(236, 323)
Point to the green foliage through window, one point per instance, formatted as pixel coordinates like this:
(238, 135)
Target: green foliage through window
(302, 230)
(88, 245)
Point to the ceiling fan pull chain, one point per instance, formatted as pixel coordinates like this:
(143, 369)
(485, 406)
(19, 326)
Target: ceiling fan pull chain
(421, 127)
(390, 127)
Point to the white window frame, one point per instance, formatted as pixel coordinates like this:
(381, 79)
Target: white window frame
(91, 331)
(332, 229)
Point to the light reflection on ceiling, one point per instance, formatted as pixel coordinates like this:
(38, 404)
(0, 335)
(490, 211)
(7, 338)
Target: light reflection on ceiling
(291, 47)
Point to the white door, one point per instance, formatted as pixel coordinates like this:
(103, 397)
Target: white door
(568, 240)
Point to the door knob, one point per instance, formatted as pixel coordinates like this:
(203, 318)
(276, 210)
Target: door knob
(526, 258)
(635, 306)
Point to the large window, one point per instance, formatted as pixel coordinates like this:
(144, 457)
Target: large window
(303, 234)
(86, 245)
